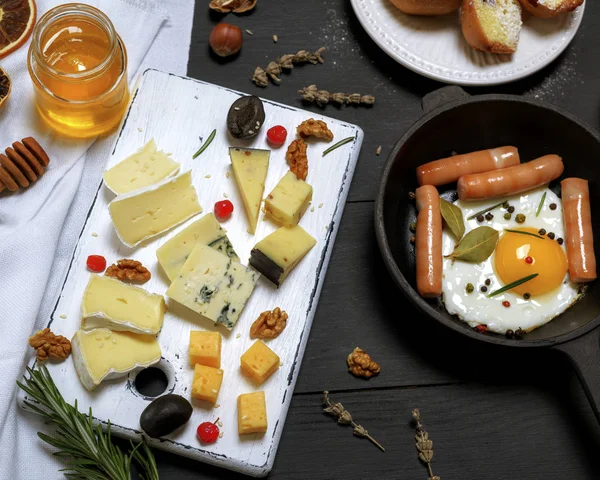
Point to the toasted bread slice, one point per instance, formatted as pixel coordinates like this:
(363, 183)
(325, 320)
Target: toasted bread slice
(492, 25)
(427, 7)
(550, 8)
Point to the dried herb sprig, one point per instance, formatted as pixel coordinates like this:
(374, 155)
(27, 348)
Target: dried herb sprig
(338, 145)
(285, 62)
(205, 144)
(424, 445)
(344, 418)
(323, 97)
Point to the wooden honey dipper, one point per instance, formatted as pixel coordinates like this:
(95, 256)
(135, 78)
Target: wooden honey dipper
(22, 164)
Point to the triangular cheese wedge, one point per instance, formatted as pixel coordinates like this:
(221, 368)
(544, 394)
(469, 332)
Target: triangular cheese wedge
(250, 170)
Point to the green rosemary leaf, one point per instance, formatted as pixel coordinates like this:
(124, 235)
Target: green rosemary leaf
(205, 144)
(539, 209)
(493, 207)
(524, 233)
(476, 246)
(453, 217)
(338, 144)
(512, 285)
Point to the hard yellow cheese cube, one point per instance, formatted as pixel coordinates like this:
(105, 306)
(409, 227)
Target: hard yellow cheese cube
(205, 348)
(207, 383)
(289, 200)
(252, 413)
(259, 362)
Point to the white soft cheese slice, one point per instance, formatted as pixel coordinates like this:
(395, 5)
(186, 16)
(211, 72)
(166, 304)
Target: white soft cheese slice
(143, 214)
(110, 303)
(144, 168)
(102, 354)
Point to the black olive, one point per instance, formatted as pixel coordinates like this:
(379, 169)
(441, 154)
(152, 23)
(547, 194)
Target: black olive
(165, 415)
(246, 116)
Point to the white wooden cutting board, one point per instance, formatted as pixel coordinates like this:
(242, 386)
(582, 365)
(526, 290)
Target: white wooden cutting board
(176, 111)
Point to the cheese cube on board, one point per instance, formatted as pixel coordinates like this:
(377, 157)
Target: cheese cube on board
(144, 168)
(252, 413)
(207, 383)
(276, 255)
(289, 200)
(145, 213)
(214, 286)
(102, 354)
(205, 348)
(259, 362)
(250, 168)
(107, 302)
(207, 231)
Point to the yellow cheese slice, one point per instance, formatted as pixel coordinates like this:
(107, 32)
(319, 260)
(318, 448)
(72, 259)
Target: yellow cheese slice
(144, 168)
(143, 214)
(107, 302)
(250, 168)
(102, 354)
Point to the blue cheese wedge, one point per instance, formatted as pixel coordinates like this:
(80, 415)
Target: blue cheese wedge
(102, 354)
(277, 254)
(214, 285)
(110, 303)
(145, 213)
(206, 231)
(144, 168)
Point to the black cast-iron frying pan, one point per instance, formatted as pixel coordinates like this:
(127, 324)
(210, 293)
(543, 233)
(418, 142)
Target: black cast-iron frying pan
(455, 121)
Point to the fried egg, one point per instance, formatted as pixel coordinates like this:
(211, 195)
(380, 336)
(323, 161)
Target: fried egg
(517, 255)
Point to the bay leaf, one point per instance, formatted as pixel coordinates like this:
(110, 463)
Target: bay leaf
(453, 217)
(476, 246)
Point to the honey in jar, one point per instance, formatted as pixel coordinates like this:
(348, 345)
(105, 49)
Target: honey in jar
(78, 65)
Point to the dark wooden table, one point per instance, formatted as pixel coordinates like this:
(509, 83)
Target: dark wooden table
(491, 414)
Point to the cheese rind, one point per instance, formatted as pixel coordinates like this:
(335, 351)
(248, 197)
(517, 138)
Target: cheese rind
(252, 413)
(145, 213)
(102, 354)
(144, 168)
(207, 231)
(207, 383)
(259, 362)
(250, 168)
(276, 255)
(110, 303)
(289, 200)
(205, 348)
(213, 285)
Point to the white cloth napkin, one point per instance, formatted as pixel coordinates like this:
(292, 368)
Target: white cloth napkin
(39, 226)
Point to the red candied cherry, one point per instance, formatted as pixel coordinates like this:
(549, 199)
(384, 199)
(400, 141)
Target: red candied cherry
(481, 328)
(528, 260)
(223, 209)
(96, 263)
(208, 432)
(277, 135)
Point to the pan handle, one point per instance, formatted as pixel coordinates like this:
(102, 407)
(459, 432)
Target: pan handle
(584, 354)
(441, 96)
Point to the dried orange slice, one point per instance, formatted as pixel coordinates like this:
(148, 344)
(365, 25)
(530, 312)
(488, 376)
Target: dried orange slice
(17, 18)
(5, 85)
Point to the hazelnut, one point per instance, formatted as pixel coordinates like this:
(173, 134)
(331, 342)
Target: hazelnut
(225, 39)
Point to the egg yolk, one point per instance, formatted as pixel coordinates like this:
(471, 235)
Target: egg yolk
(518, 256)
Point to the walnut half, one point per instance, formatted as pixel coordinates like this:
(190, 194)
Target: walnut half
(315, 128)
(297, 159)
(269, 324)
(48, 345)
(129, 270)
(361, 365)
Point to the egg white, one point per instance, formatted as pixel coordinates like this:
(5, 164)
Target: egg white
(476, 308)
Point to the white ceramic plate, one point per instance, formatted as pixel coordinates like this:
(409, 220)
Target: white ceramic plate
(435, 47)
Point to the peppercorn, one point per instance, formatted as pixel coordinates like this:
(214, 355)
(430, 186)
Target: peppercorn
(560, 241)
(483, 288)
(511, 209)
(507, 216)
(527, 296)
(470, 288)
(413, 227)
(480, 218)
(505, 205)
(488, 281)
(488, 216)
(506, 303)
(520, 218)
(542, 231)
(412, 239)
(519, 332)
(553, 206)
(551, 235)
(510, 333)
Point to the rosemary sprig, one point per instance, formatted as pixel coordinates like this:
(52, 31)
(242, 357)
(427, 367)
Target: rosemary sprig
(344, 418)
(493, 207)
(92, 454)
(338, 144)
(205, 144)
(512, 285)
(424, 445)
(524, 233)
(539, 209)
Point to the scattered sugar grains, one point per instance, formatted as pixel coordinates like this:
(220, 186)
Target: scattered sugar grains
(563, 78)
(63, 315)
(206, 176)
(94, 234)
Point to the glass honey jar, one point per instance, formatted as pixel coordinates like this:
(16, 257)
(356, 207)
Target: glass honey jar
(78, 65)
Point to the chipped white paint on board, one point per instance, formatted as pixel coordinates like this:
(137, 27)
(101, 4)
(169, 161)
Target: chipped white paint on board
(175, 111)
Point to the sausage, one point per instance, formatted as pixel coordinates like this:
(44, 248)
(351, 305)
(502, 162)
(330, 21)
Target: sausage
(512, 180)
(578, 225)
(449, 170)
(428, 242)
